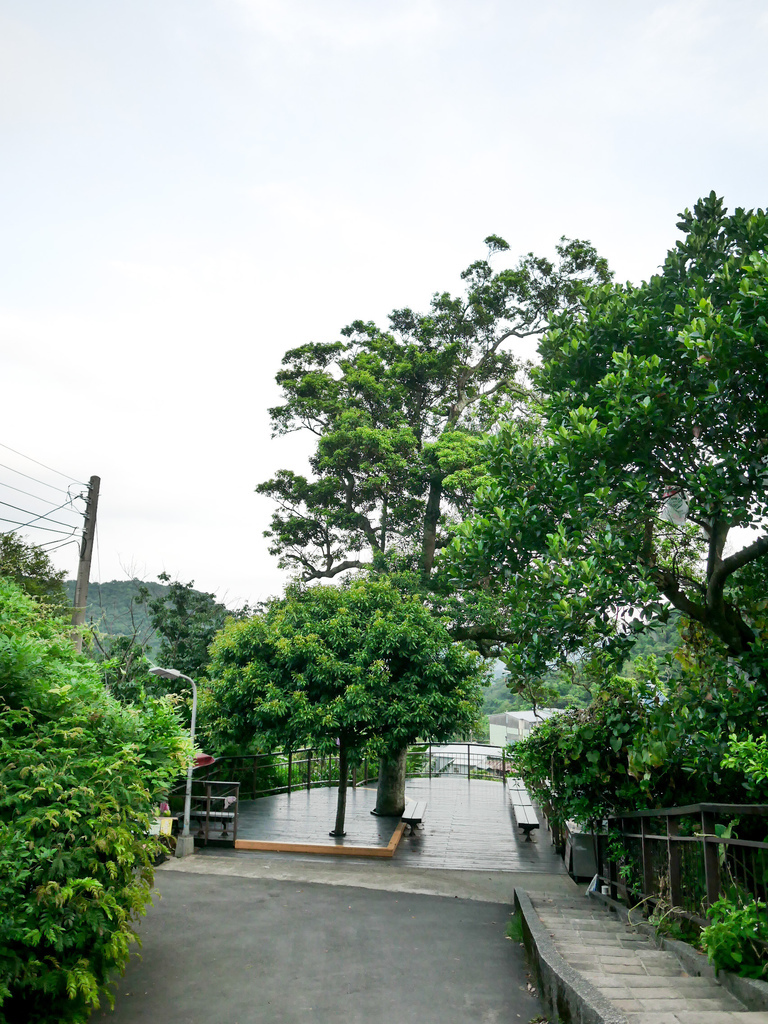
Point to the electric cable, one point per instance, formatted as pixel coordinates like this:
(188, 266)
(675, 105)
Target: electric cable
(20, 526)
(67, 476)
(43, 483)
(29, 494)
(44, 515)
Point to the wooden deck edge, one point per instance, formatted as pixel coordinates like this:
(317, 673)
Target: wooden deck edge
(335, 851)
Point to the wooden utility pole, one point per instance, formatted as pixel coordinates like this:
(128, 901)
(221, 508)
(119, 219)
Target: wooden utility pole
(84, 567)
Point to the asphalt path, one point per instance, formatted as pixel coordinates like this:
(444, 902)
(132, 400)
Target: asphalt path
(232, 950)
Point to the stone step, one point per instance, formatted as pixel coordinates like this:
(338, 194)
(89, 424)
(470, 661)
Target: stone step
(699, 1017)
(645, 984)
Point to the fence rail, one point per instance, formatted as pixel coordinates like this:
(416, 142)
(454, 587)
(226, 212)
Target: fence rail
(267, 774)
(687, 857)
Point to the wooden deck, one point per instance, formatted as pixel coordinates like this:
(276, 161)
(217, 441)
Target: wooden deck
(468, 826)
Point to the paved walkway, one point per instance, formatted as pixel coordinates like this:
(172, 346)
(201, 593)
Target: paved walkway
(232, 950)
(243, 937)
(645, 984)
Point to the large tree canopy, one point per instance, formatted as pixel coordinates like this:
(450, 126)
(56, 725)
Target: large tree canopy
(649, 452)
(397, 414)
(358, 668)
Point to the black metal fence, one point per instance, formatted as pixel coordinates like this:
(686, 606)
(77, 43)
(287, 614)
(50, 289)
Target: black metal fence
(687, 857)
(266, 774)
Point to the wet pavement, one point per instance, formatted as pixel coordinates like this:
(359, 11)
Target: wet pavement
(222, 950)
(468, 825)
(242, 937)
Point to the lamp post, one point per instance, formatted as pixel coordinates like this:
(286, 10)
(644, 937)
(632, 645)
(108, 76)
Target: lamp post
(185, 843)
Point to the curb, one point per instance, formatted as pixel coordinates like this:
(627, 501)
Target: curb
(567, 996)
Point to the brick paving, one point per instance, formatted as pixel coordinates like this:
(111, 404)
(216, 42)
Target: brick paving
(646, 984)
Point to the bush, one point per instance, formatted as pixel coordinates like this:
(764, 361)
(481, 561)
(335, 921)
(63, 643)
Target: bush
(737, 938)
(80, 774)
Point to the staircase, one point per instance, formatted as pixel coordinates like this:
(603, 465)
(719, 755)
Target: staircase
(645, 985)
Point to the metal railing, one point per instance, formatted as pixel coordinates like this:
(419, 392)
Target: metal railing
(268, 774)
(686, 857)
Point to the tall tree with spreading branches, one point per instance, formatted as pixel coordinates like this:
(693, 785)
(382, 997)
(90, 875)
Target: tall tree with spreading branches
(650, 452)
(398, 416)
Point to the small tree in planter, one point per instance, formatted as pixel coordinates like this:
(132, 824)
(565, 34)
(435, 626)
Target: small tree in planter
(350, 670)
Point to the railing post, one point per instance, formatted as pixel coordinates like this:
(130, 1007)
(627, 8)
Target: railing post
(354, 776)
(309, 767)
(468, 775)
(430, 759)
(253, 780)
(503, 766)
(290, 770)
(365, 772)
(711, 857)
(647, 866)
(673, 861)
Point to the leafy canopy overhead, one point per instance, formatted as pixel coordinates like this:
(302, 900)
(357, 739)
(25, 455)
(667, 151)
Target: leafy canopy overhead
(397, 414)
(647, 392)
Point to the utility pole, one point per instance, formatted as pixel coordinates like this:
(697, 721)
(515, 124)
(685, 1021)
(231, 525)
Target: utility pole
(84, 567)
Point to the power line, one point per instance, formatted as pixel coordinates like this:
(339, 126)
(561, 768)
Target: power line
(45, 515)
(43, 483)
(67, 476)
(20, 526)
(54, 545)
(37, 497)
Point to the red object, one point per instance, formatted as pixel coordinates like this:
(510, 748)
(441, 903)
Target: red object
(203, 760)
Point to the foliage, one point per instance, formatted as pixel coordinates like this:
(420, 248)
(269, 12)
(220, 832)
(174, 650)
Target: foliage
(397, 415)
(31, 568)
(358, 662)
(577, 762)
(359, 668)
(648, 393)
(186, 621)
(737, 938)
(80, 774)
(749, 755)
(644, 742)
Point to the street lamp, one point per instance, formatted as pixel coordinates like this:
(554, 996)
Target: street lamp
(185, 843)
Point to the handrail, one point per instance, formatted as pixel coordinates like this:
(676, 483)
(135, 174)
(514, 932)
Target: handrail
(641, 865)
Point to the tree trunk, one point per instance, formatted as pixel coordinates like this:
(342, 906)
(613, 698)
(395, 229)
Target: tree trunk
(431, 519)
(390, 795)
(341, 804)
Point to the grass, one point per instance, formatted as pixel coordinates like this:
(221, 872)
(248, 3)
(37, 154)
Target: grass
(515, 928)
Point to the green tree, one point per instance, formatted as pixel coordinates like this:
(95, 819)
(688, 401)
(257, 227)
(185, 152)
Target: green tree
(398, 415)
(185, 620)
(357, 668)
(647, 394)
(30, 567)
(79, 775)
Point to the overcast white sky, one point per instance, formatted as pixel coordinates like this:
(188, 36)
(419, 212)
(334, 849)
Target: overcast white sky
(190, 187)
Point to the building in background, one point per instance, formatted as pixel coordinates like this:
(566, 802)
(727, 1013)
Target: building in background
(513, 726)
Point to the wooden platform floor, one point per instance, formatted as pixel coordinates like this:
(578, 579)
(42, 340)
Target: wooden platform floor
(468, 826)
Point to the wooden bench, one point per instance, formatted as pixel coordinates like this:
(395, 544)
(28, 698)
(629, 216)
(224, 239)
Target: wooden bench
(413, 813)
(525, 816)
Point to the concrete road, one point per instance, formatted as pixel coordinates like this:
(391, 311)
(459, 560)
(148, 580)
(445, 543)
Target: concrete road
(232, 950)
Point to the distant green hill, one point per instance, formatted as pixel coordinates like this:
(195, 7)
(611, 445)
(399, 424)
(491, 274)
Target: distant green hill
(111, 607)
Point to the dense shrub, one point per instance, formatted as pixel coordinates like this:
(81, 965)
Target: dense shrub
(644, 743)
(79, 774)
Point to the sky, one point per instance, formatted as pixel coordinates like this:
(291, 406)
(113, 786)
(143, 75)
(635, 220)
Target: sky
(189, 188)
